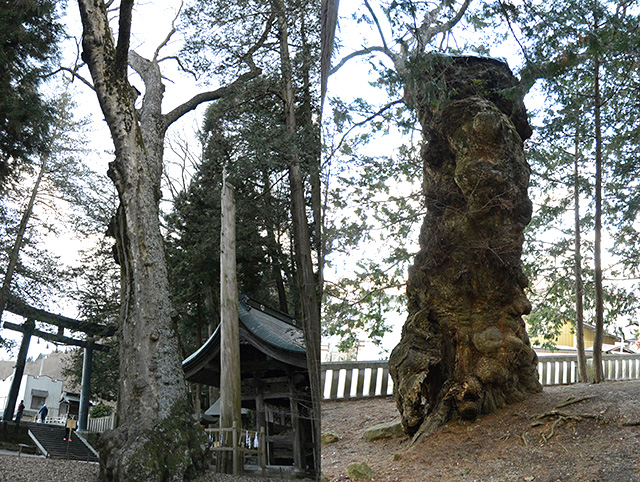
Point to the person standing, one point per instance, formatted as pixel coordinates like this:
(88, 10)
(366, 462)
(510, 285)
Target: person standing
(43, 412)
(19, 412)
(71, 425)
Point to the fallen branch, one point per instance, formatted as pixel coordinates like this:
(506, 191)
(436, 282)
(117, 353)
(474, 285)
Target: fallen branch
(571, 401)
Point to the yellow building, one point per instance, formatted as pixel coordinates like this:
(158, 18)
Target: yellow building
(566, 340)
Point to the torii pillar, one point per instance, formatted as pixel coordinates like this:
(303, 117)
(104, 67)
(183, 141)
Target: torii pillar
(28, 326)
(85, 389)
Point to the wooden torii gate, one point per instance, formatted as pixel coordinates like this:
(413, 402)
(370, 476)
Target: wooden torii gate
(28, 329)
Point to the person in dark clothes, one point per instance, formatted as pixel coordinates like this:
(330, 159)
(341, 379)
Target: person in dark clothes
(43, 412)
(19, 412)
(71, 425)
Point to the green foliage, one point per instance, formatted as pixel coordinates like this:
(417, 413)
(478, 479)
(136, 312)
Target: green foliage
(29, 33)
(97, 295)
(100, 410)
(70, 197)
(246, 136)
(247, 140)
(371, 233)
(561, 44)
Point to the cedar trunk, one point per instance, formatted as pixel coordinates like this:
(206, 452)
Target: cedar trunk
(156, 438)
(464, 348)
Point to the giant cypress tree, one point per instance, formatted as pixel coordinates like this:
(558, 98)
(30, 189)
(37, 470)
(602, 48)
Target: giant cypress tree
(29, 33)
(464, 349)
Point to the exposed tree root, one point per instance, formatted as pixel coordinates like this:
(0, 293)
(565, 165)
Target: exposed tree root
(562, 417)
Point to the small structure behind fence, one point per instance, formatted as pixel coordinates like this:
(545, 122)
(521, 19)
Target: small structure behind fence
(363, 379)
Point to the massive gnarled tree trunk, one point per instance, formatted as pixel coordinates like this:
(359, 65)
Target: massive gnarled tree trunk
(157, 438)
(464, 349)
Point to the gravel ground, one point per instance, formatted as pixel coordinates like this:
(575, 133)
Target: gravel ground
(33, 469)
(574, 433)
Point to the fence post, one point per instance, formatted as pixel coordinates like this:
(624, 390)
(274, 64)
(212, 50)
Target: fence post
(235, 448)
(263, 447)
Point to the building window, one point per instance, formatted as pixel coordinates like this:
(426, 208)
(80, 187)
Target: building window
(37, 402)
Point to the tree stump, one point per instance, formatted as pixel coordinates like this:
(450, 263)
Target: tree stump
(464, 348)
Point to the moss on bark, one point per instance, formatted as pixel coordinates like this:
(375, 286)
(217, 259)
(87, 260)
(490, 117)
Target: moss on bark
(172, 450)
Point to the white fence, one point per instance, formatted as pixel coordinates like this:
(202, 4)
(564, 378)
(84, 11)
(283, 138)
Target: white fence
(361, 379)
(100, 424)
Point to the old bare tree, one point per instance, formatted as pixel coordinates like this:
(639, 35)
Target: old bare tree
(156, 438)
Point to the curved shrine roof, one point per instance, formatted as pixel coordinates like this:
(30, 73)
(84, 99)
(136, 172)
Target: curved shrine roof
(269, 331)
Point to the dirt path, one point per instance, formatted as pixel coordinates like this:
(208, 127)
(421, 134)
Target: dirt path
(601, 443)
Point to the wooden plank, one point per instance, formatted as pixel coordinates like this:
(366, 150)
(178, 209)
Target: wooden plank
(552, 373)
(295, 422)
(384, 388)
(230, 378)
(360, 385)
(323, 381)
(335, 378)
(542, 372)
(348, 379)
(373, 382)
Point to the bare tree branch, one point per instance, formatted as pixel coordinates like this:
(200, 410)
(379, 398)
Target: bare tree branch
(124, 34)
(361, 123)
(427, 31)
(375, 19)
(180, 64)
(198, 99)
(169, 35)
(248, 57)
(74, 75)
(360, 53)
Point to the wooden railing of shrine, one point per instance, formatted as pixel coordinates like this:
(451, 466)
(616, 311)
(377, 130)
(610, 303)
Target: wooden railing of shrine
(240, 444)
(362, 379)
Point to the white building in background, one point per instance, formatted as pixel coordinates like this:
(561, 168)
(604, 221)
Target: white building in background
(35, 391)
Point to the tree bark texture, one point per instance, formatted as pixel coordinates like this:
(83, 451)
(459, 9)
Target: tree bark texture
(582, 359)
(302, 238)
(157, 438)
(464, 349)
(598, 373)
(230, 381)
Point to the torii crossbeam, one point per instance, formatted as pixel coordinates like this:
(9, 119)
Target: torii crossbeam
(20, 308)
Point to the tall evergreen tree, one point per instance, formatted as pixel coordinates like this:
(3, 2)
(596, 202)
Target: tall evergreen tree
(29, 34)
(60, 187)
(591, 78)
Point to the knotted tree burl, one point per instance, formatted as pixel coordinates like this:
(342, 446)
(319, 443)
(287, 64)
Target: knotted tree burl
(464, 348)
